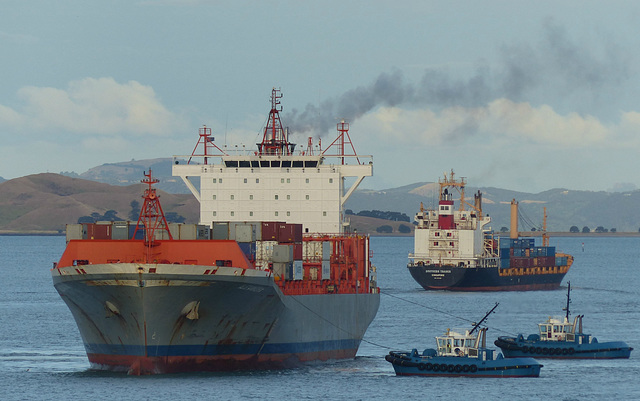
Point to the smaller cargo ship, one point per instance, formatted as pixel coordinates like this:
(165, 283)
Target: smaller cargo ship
(455, 249)
(462, 353)
(559, 338)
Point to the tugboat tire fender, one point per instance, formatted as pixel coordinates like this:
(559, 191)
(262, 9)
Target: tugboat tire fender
(565, 351)
(458, 368)
(451, 368)
(545, 351)
(572, 351)
(428, 366)
(525, 349)
(473, 368)
(538, 350)
(465, 368)
(443, 367)
(422, 366)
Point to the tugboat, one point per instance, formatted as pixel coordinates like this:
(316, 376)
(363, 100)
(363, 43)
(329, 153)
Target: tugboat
(561, 339)
(454, 251)
(462, 353)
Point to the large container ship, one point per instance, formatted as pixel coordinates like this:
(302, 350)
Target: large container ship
(456, 250)
(270, 278)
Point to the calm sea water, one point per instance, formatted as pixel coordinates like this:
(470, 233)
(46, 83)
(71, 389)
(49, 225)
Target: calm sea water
(42, 357)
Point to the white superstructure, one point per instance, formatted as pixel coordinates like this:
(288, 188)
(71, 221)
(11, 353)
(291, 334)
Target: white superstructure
(273, 183)
(453, 237)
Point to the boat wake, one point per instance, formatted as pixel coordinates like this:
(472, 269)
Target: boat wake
(43, 361)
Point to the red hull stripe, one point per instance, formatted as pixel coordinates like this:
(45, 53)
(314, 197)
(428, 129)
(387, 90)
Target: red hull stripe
(137, 365)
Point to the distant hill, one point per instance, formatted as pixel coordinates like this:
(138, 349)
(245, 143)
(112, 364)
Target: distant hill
(131, 172)
(370, 225)
(47, 202)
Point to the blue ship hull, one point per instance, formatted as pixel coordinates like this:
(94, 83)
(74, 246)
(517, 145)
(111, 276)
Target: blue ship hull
(514, 348)
(412, 364)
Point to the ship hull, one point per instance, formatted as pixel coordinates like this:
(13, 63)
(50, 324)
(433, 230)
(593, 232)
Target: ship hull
(147, 319)
(455, 278)
(463, 366)
(512, 348)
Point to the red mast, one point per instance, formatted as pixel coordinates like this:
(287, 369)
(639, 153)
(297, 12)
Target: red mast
(207, 144)
(151, 215)
(274, 139)
(342, 139)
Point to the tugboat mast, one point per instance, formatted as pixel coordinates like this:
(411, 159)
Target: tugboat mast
(476, 325)
(568, 299)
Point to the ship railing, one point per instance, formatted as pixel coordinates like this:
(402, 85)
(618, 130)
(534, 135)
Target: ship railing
(241, 152)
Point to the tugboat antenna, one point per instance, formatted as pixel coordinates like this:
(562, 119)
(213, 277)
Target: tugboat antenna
(568, 299)
(476, 325)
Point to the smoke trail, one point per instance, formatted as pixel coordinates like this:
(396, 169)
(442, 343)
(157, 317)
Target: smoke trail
(558, 67)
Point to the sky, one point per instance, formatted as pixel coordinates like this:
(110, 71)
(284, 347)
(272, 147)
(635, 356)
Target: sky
(520, 95)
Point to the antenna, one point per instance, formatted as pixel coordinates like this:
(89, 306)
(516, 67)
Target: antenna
(476, 325)
(568, 300)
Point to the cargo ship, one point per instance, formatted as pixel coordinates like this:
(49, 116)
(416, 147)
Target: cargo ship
(457, 250)
(271, 277)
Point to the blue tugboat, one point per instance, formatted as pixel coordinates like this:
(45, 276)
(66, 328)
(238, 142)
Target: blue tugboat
(558, 338)
(462, 353)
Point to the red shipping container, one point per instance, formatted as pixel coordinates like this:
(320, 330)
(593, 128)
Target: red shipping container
(270, 231)
(98, 231)
(297, 233)
(286, 232)
(297, 251)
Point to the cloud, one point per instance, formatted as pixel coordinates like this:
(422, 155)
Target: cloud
(92, 106)
(501, 119)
